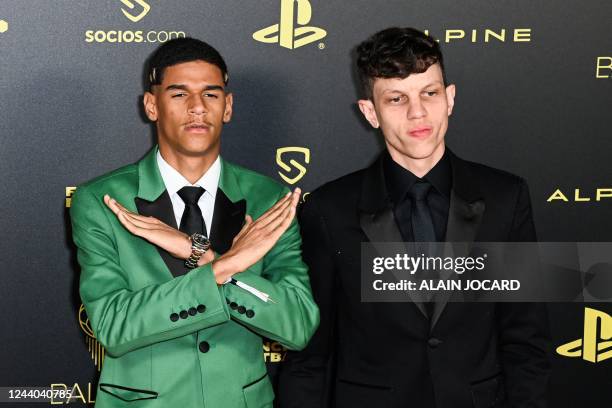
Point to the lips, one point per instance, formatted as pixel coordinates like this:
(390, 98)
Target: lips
(420, 132)
(197, 127)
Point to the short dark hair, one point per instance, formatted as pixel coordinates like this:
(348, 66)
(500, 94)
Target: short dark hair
(396, 53)
(181, 50)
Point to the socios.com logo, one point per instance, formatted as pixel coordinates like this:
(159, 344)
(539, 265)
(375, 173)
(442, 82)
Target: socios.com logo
(134, 11)
(595, 345)
(133, 6)
(304, 151)
(285, 32)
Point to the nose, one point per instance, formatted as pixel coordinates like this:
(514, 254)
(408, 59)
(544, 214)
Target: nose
(197, 105)
(416, 109)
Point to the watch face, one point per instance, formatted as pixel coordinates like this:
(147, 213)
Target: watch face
(200, 239)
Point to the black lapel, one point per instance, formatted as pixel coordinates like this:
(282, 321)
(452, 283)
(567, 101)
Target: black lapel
(464, 217)
(228, 219)
(162, 210)
(376, 212)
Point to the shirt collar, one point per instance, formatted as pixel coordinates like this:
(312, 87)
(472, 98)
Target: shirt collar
(399, 180)
(174, 180)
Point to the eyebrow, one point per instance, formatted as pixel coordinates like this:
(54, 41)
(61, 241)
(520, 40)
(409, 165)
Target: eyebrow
(186, 88)
(391, 90)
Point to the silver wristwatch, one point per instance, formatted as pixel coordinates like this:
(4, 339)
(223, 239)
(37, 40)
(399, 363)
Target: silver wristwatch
(199, 246)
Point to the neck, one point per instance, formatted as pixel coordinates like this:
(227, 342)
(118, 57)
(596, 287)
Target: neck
(418, 166)
(190, 167)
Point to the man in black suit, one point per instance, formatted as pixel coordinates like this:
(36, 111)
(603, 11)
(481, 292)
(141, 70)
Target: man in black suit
(437, 354)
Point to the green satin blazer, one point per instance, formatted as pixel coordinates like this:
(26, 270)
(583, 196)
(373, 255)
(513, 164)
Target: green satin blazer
(178, 340)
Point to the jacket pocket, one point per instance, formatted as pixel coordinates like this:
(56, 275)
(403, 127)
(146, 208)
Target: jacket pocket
(360, 383)
(259, 394)
(488, 393)
(126, 393)
(128, 377)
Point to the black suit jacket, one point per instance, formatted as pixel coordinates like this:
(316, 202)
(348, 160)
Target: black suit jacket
(390, 354)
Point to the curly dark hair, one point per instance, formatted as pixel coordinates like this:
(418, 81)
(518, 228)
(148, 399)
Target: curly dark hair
(396, 53)
(181, 50)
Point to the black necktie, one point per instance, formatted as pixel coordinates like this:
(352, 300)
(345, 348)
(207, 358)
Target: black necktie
(422, 223)
(422, 227)
(192, 220)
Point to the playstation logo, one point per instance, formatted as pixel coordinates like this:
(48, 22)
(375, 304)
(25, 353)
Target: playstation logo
(595, 345)
(285, 33)
(129, 4)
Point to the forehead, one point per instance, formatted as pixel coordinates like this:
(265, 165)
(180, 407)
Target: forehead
(432, 75)
(193, 72)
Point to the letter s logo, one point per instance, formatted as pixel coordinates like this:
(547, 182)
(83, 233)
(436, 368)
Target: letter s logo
(302, 170)
(130, 5)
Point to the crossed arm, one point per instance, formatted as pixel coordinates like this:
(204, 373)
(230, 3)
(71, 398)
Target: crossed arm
(124, 318)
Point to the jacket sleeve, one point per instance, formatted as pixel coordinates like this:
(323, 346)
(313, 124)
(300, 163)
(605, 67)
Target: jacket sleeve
(524, 333)
(304, 379)
(292, 316)
(124, 319)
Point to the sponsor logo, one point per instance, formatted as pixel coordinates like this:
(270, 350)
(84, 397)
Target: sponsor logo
(603, 67)
(274, 352)
(595, 345)
(95, 348)
(304, 151)
(69, 193)
(129, 4)
(598, 195)
(487, 35)
(285, 33)
(3, 26)
(127, 36)
(135, 11)
(64, 394)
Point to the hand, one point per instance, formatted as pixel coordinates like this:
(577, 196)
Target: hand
(175, 242)
(256, 238)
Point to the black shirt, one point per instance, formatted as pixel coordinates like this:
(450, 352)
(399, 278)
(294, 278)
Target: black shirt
(399, 181)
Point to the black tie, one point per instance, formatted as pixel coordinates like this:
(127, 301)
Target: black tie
(192, 220)
(422, 223)
(422, 226)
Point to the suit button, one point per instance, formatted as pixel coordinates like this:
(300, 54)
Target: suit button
(174, 317)
(434, 342)
(250, 313)
(201, 308)
(192, 311)
(183, 314)
(233, 305)
(241, 309)
(204, 347)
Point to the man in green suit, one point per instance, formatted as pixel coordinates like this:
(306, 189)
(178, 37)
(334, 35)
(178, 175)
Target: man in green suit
(179, 282)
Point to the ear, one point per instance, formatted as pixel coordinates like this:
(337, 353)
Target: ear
(450, 98)
(366, 107)
(227, 113)
(150, 106)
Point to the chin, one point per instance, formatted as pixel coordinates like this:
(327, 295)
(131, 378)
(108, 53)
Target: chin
(198, 148)
(420, 151)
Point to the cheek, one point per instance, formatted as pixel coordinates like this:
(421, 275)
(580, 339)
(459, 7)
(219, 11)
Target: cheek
(392, 118)
(439, 111)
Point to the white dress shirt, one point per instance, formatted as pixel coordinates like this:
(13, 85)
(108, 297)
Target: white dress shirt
(174, 181)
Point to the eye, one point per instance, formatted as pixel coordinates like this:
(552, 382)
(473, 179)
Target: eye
(397, 99)
(211, 95)
(431, 93)
(178, 95)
